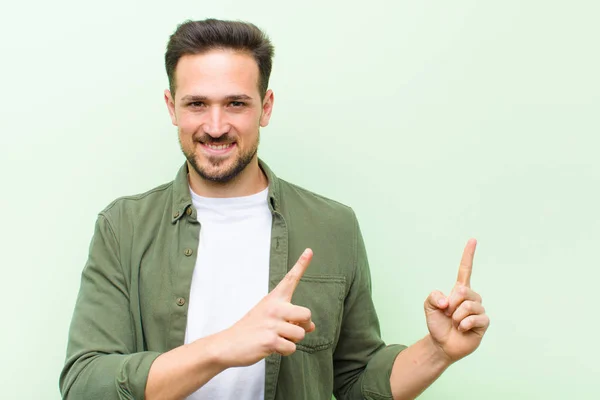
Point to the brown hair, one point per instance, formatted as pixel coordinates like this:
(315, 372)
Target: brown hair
(197, 37)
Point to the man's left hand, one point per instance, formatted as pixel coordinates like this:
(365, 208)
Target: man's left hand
(457, 322)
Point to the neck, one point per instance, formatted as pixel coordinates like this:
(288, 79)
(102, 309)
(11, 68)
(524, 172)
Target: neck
(248, 182)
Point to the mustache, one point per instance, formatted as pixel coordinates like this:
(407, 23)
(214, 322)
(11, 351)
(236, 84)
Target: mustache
(223, 139)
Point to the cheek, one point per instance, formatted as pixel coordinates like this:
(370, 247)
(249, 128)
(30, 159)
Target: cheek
(188, 125)
(247, 125)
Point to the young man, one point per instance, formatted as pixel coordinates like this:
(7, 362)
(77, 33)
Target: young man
(192, 289)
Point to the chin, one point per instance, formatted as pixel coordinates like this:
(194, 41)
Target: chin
(222, 173)
(217, 165)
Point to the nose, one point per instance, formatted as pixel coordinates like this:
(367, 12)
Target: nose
(216, 123)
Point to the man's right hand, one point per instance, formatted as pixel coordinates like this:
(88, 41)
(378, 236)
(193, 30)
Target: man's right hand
(274, 325)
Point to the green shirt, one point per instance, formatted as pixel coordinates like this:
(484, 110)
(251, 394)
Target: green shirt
(132, 303)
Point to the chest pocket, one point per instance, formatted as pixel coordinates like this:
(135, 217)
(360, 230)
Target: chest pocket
(324, 297)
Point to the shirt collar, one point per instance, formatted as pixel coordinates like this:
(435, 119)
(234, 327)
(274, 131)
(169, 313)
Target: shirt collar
(182, 199)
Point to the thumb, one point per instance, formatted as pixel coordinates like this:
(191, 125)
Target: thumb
(436, 301)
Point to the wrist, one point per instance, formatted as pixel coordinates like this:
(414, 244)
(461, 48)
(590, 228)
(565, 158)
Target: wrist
(212, 349)
(438, 355)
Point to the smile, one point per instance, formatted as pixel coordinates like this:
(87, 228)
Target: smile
(218, 148)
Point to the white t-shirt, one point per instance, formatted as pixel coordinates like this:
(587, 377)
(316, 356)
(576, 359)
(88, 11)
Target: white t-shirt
(230, 277)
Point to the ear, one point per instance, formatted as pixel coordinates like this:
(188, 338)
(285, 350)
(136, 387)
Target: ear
(267, 108)
(170, 101)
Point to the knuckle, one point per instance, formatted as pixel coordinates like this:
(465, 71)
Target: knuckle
(287, 348)
(452, 298)
(301, 334)
(456, 318)
(308, 315)
(271, 312)
(453, 303)
(273, 309)
(292, 348)
(271, 340)
(432, 298)
(271, 325)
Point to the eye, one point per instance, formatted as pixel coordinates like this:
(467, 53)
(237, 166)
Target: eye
(196, 104)
(237, 104)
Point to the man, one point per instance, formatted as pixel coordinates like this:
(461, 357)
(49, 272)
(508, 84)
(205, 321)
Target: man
(191, 289)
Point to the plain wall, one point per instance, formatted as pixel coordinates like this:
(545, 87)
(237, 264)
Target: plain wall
(435, 121)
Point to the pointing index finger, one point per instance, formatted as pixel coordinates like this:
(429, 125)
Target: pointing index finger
(466, 263)
(288, 284)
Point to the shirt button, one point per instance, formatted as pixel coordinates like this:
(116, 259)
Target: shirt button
(188, 252)
(189, 211)
(176, 215)
(180, 301)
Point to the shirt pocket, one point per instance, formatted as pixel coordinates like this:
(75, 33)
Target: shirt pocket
(324, 297)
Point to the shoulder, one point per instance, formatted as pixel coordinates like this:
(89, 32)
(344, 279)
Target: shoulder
(303, 204)
(297, 194)
(140, 205)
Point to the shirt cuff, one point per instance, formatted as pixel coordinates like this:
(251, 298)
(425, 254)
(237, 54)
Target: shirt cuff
(133, 375)
(376, 376)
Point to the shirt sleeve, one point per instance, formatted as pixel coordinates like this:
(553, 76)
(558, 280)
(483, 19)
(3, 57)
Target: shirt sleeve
(102, 362)
(362, 361)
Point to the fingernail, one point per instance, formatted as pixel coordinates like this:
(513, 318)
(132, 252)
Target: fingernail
(441, 302)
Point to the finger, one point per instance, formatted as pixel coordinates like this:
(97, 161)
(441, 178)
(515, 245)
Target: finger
(436, 301)
(298, 315)
(291, 332)
(285, 288)
(307, 326)
(458, 295)
(294, 313)
(467, 308)
(466, 263)
(284, 346)
(475, 323)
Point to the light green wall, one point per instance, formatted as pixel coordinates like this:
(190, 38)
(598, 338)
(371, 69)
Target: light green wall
(436, 121)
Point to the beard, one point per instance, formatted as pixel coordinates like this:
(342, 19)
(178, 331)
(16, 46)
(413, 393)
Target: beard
(220, 175)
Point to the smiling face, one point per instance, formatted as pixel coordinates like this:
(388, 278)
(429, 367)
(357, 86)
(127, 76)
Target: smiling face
(218, 110)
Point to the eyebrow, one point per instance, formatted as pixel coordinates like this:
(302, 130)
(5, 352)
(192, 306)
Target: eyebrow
(231, 97)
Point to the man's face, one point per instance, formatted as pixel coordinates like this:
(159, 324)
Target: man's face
(218, 111)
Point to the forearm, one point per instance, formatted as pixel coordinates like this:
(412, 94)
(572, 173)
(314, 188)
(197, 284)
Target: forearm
(416, 368)
(178, 373)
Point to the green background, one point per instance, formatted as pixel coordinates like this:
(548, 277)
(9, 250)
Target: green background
(436, 121)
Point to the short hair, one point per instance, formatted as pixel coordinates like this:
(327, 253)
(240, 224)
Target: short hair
(198, 37)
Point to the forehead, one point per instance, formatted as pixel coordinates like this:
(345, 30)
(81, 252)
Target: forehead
(217, 73)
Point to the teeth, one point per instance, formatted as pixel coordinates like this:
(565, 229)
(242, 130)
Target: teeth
(219, 147)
